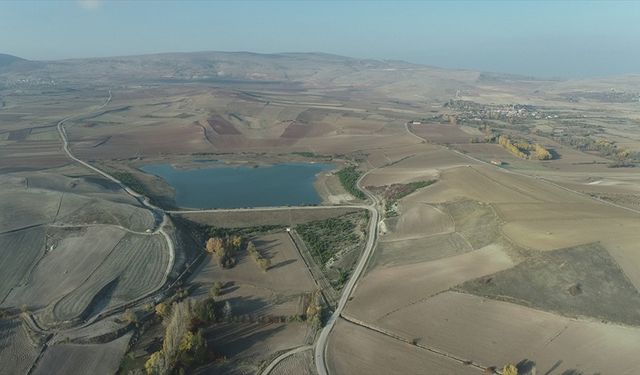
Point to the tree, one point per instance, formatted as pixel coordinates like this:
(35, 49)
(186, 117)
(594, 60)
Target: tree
(162, 310)
(264, 263)
(130, 316)
(156, 364)
(193, 348)
(215, 245)
(205, 310)
(215, 289)
(177, 326)
(251, 248)
(226, 310)
(509, 370)
(235, 241)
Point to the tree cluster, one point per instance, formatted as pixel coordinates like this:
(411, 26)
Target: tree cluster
(524, 149)
(225, 248)
(183, 346)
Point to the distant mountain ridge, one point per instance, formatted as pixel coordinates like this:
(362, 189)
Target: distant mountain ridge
(6, 59)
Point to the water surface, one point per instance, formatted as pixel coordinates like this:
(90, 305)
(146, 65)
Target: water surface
(224, 186)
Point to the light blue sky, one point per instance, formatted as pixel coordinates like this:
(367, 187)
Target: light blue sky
(538, 38)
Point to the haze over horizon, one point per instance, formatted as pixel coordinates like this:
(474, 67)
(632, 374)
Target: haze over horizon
(563, 39)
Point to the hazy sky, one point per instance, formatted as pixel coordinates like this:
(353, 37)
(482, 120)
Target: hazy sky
(542, 38)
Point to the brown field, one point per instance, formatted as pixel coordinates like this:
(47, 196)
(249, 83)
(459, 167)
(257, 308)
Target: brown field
(417, 220)
(357, 350)
(441, 133)
(253, 293)
(249, 344)
(420, 281)
(493, 333)
(546, 265)
(582, 281)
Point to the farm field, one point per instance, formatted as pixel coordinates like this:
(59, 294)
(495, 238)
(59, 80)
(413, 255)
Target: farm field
(17, 351)
(256, 297)
(449, 235)
(492, 333)
(356, 349)
(420, 281)
(125, 275)
(299, 363)
(250, 344)
(83, 359)
(482, 256)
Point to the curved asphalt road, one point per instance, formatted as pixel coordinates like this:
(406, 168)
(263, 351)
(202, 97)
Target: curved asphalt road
(321, 344)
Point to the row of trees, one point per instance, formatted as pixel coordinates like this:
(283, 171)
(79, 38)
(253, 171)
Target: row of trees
(621, 156)
(262, 262)
(181, 345)
(314, 311)
(184, 345)
(349, 179)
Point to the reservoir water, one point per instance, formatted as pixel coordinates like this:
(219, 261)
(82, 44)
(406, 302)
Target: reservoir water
(225, 186)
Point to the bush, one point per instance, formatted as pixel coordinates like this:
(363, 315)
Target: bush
(349, 177)
(215, 289)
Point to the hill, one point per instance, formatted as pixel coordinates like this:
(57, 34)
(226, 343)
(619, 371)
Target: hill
(6, 60)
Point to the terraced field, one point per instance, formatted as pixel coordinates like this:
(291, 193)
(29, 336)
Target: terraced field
(297, 364)
(81, 210)
(17, 352)
(136, 266)
(64, 359)
(67, 265)
(21, 208)
(19, 251)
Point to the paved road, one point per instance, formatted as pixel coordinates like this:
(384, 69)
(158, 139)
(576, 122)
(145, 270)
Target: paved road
(320, 349)
(275, 208)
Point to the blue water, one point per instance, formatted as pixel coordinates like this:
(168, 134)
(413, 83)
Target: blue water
(223, 186)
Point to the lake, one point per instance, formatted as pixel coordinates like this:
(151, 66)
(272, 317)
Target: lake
(226, 186)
